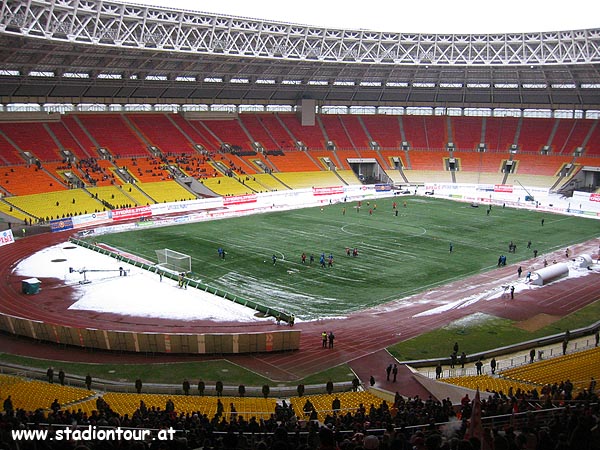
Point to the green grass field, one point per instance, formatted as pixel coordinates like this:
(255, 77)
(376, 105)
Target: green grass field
(398, 255)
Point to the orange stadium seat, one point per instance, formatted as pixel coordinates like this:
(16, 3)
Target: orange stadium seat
(466, 132)
(385, 130)
(160, 132)
(356, 132)
(336, 131)
(311, 136)
(295, 161)
(229, 132)
(500, 133)
(114, 132)
(259, 131)
(569, 134)
(198, 134)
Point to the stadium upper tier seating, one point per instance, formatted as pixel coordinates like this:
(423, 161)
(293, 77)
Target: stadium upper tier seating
(193, 145)
(466, 132)
(32, 137)
(160, 131)
(115, 133)
(131, 134)
(310, 136)
(570, 134)
(385, 130)
(336, 131)
(259, 131)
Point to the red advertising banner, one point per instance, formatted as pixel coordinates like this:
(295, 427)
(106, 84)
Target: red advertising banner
(131, 213)
(594, 197)
(503, 188)
(239, 199)
(328, 190)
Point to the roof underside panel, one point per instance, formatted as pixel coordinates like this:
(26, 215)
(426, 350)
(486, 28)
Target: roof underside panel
(107, 50)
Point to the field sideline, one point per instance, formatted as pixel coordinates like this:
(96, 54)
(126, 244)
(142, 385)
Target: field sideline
(399, 255)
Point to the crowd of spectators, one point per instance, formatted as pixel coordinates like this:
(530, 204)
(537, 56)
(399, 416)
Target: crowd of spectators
(93, 172)
(408, 423)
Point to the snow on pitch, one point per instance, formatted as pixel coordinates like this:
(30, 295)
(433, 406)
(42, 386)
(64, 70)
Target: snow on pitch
(140, 293)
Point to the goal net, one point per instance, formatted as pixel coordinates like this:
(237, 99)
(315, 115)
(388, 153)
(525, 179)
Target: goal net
(175, 261)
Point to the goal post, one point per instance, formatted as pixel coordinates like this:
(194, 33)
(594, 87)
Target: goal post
(172, 260)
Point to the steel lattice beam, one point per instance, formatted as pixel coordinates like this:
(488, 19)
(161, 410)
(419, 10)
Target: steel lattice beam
(133, 26)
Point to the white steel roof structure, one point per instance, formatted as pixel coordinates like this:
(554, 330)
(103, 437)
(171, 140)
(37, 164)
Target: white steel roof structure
(93, 50)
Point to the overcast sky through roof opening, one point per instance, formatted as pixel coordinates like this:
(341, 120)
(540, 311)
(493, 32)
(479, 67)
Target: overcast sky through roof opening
(434, 16)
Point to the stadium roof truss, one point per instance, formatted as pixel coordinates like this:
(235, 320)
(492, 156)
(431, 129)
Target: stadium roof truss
(93, 50)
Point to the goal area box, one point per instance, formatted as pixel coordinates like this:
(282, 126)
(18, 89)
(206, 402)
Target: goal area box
(172, 260)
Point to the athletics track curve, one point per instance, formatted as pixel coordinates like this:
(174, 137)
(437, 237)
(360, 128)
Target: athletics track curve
(361, 338)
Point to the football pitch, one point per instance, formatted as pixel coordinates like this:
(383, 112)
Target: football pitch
(398, 254)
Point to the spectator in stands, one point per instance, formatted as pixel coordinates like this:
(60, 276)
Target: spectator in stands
(88, 381)
(61, 377)
(55, 406)
(8, 405)
(138, 386)
(336, 404)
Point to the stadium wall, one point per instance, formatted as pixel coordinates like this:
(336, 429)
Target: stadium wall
(140, 342)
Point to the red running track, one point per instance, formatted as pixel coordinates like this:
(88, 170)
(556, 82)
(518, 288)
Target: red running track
(361, 338)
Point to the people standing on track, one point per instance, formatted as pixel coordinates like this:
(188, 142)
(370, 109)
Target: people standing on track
(324, 339)
(478, 366)
(330, 339)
